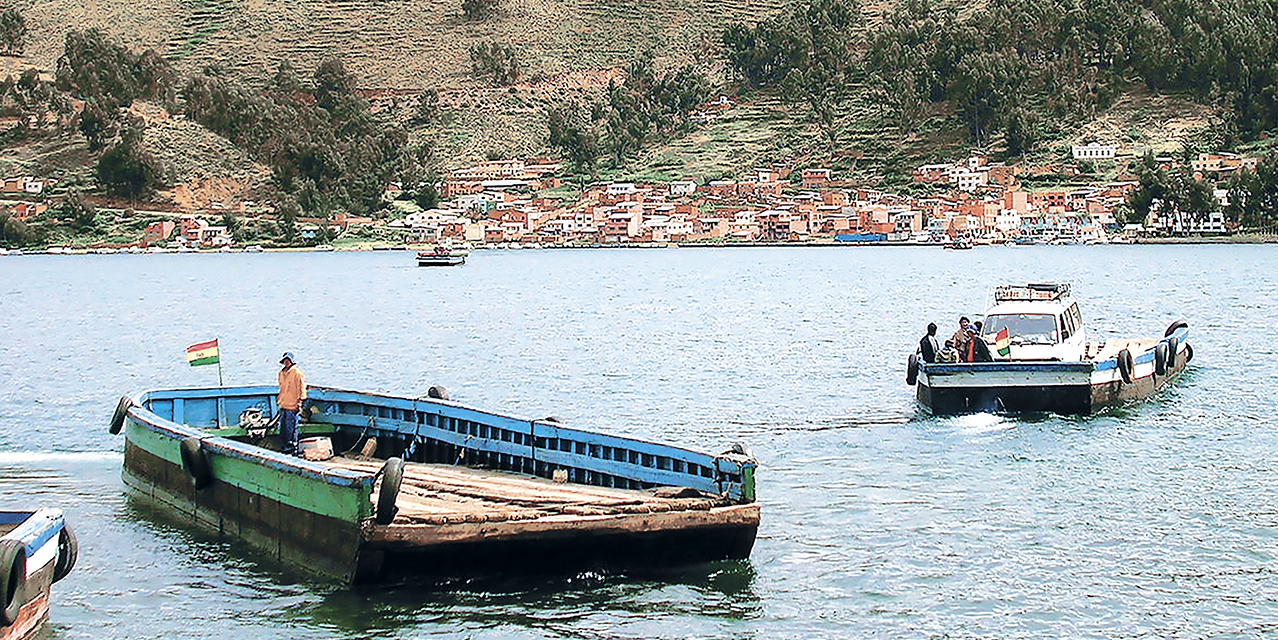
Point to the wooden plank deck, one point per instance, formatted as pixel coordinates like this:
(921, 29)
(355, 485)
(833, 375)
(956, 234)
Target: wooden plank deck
(438, 494)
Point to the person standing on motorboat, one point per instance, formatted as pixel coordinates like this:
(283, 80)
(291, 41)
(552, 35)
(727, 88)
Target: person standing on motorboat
(927, 345)
(975, 349)
(292, 395)
(959, 339)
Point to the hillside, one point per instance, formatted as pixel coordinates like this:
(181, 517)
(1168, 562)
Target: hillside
(569, 51)
(400, 45)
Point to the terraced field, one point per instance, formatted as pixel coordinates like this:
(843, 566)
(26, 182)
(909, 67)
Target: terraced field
(396, 44)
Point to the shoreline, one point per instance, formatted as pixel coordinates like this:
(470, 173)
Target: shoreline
(1239, 239)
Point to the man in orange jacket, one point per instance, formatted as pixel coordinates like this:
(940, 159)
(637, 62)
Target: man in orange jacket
(292, 395)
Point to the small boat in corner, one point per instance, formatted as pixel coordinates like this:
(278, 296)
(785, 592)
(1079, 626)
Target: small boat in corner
(426, 489)
(441, 256)
(1042, 360)
(37, 549)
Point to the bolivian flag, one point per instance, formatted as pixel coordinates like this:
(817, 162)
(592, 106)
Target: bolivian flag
(203, 353)
(1003, 342)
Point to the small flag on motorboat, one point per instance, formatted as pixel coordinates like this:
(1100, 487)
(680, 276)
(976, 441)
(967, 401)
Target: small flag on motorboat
(202, 353)
(1003, 342)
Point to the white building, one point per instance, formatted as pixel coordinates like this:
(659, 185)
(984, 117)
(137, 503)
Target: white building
(683, 188)
(1094, 151)
(970, 180)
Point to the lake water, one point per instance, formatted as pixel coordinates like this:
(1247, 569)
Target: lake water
(1151, 520)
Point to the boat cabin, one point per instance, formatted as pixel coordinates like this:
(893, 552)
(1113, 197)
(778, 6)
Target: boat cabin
(1035, 322)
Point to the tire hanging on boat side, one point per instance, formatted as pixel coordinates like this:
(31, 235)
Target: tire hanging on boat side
(1126, 366)
(1160, 359)
(13, 580)
(912, 369)
(121, 412)
(1171, 328)
(392, 476)
(1173, 346)
(196, 463)
(1189, 353)
(68, 553)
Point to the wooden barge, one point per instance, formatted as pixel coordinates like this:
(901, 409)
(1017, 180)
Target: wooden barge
(436, 491)
(37, 549)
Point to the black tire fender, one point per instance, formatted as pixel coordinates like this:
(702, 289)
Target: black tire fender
(912, 369)
(13, 580)
(68, 553)
(1189, 353)
(1161, 358)
(392, 475)
(195, 462)
(121, 412)
(1171, 328)
(1126, 366)
(437, 392)
(1173, 351)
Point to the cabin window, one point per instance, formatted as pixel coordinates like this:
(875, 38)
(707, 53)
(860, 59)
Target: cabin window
(1075, 317)
(1023, 328)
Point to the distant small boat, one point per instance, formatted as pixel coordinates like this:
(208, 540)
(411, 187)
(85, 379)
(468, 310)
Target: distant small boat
(441, 257)
(958, 244)
(37, 549)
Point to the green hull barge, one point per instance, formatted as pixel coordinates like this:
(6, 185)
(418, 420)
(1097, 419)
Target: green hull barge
(425, 489)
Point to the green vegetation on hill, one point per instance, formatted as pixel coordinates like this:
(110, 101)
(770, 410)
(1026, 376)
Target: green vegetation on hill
(326, 149)
(870, 90)
(1025, 70)
(645, 107)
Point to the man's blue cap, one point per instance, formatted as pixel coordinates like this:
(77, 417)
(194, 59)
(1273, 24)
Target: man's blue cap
(288, 355)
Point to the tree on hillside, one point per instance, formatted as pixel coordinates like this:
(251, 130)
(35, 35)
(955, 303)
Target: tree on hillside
(93, 67)
(79, 211)
(427, 196)
(98, 125)
(495, 61)
(478, 9)
(13, 31)
(335, 90)
(428, 108)
(16, 233)
(572, 134)
(287, 213)
(127, 169)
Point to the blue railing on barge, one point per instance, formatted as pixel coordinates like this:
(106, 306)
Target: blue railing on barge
(432, 430)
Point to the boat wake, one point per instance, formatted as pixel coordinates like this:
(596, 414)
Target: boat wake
(979, 423)
(862, 419)
(25, 458)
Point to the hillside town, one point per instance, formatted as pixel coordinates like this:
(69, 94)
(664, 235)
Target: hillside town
(496, 202)
(518, 202)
